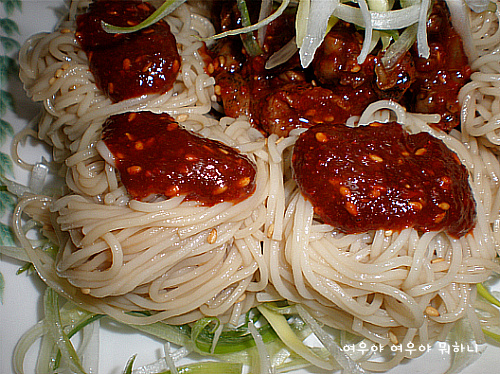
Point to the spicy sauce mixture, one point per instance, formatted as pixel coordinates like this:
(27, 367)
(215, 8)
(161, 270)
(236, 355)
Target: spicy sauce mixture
(358, 179)
(155, 156)
(381, 177)
(335, 86)
(133, 64)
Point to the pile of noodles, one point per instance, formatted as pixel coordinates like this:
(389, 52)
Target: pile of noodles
(178, 262)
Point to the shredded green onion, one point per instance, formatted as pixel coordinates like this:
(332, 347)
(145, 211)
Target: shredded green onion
(249, 41)
(166, 8)
(55, 329)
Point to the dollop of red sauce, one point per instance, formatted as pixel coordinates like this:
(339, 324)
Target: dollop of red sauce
(381, 177)
(128, 65)
(155, 156)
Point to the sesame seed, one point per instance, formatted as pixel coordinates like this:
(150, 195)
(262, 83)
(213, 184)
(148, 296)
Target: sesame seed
(375, 158)
(404, 153)
(189, 157)
(212, 236)
(175, 66)
(351, 208)
(321, 137)
(444, 205)
(224, 151)
(58, 73)
(439, 217)
(420, 151)
(388, 233)
(85, 291)
(344, 191)
(355, 68)
(131, 116)
(52, 80)
(65, 31)
(243, 182)
(393, 338)
(416, 205)
(139, 146)
(134, 169)
(431, 311)
(182, 117)
(217, 90)
(437, 260)
(270, 231)
(280, 139)
(219, 190)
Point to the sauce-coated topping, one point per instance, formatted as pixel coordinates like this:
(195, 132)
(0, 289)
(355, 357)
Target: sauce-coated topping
(132, 64)
(155, 156)
(381, 177)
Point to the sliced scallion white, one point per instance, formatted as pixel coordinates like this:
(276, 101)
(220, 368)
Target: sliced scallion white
(290, 339)
(317, 24)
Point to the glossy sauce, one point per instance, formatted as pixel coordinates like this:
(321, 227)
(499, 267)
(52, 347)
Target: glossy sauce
(155, 156)
(132, 64)
(380, 177)
(336, 86)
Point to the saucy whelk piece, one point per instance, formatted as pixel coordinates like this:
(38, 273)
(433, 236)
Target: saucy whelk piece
(155, 156)
(381, 177)
(132, 64)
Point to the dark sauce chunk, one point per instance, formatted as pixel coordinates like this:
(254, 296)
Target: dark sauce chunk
(381, 177)
(129, 64)
(155, 156)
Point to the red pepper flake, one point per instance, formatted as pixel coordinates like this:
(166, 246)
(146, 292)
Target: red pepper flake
(155, 156)
(427, 189)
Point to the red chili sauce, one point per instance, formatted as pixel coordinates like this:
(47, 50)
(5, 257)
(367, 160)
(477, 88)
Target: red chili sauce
(129, 64)
(381, 177)
(335, 86)
(155, 156)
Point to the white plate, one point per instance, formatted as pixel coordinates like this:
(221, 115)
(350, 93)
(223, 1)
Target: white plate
(22, 297)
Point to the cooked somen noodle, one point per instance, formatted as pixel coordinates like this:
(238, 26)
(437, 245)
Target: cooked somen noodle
(178, 261)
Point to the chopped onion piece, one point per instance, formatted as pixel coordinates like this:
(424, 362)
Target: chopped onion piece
(169, 360)
(368, 31)
(283, 55)
(301, 21)
(399, 47)
(317, 24)
(266, 8)
(37, 177)
(461, 23)
(395, 19)
(478, 6)
(422, 45)
(335, 350)
(265, 358)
